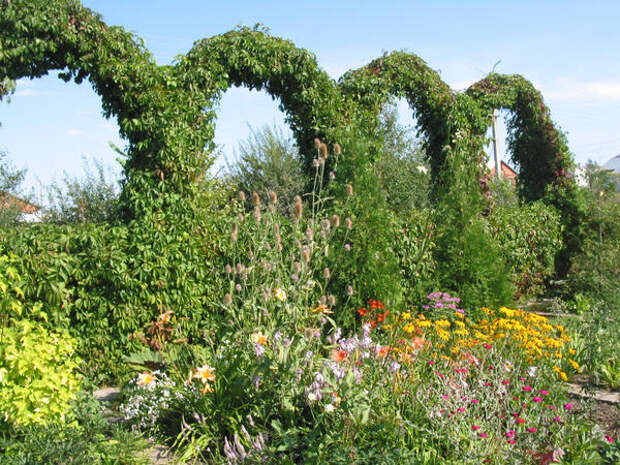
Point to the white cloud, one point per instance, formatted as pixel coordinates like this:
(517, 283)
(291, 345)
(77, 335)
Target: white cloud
(25, 93)
(74, 132)
(572, 90)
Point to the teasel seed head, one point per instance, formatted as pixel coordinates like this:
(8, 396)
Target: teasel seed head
(331, 300)
(350, 290)
(298, 207)
(227, 300)
(327, 273)
(317, 142)
(305, 255)
(349, 190)
(257, 215)
(297, 267)
(242, 196)
(316, 163)
(228, 269)
(240, 268)
(323, 150)
(309, 234)
(323, 300)
(337, 148)
(235, 232)
(255, 199)
(325, 225)
(348, 223)
(273, 197)
(335, 221)
(332, 176)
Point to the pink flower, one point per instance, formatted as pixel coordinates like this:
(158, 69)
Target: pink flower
(475, 401)
(527, 388)
(532, 430)
(483, 435)
(515, 398)
(520, 421)
(568, 406)
(490, 367)
(512, 441)
(537, 399)
(461, 370)
(460, 409)
(486, 383)
(487, 346)
(505, 382)
(522, 378)
(609, 438)
(445, 396)
(557, 419)
(475, 428)
(430, 362)
(544, 393)
(510, 433)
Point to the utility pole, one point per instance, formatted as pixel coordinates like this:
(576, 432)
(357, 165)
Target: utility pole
(496, 154)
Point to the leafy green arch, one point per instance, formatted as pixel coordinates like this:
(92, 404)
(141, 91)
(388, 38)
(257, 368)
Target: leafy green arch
(41, 36)
(535, 144)
(251, 58)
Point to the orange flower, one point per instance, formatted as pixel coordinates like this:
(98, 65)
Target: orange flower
(339, 355)
(204, 373)
(321, 309)
(418, 343)
(383, 351)
(362, 312)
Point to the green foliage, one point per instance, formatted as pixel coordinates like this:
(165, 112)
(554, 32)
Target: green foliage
(92, 199)
(10, 192)
(90, 439)
(401, 167)
(529, 238)
(415, 246)
(470, 263)
(39, 378)
(268, 161)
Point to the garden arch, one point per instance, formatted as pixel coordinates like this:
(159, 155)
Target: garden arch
(166, 112)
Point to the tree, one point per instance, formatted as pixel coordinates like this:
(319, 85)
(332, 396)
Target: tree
(92, 199)
(268, 160)
(11, 194)
(401, 165)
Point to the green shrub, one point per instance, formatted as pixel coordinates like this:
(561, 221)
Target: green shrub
(39, 374)
(89, 440)
(529, 237)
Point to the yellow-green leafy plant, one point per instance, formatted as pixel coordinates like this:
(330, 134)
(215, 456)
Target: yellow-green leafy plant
(38, 369)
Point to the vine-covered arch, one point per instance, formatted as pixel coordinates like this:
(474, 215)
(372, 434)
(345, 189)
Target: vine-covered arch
(248, 57)
(166, 112)
(41, 36)
(536, 145)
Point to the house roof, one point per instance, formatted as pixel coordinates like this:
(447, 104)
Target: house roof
(9, 200)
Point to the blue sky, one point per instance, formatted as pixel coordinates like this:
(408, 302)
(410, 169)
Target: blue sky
(568, 49)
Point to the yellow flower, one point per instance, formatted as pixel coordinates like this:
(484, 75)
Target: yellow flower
(279, 294)
(572, 351)
(424, 324)
(442, 323)
(563, 376)
(146, 379)
(409, 328)
(574, 364)
(405, 316)
(204, 374)
(259, 338)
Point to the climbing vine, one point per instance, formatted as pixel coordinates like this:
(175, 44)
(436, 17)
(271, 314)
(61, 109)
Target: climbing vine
(167, 116)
